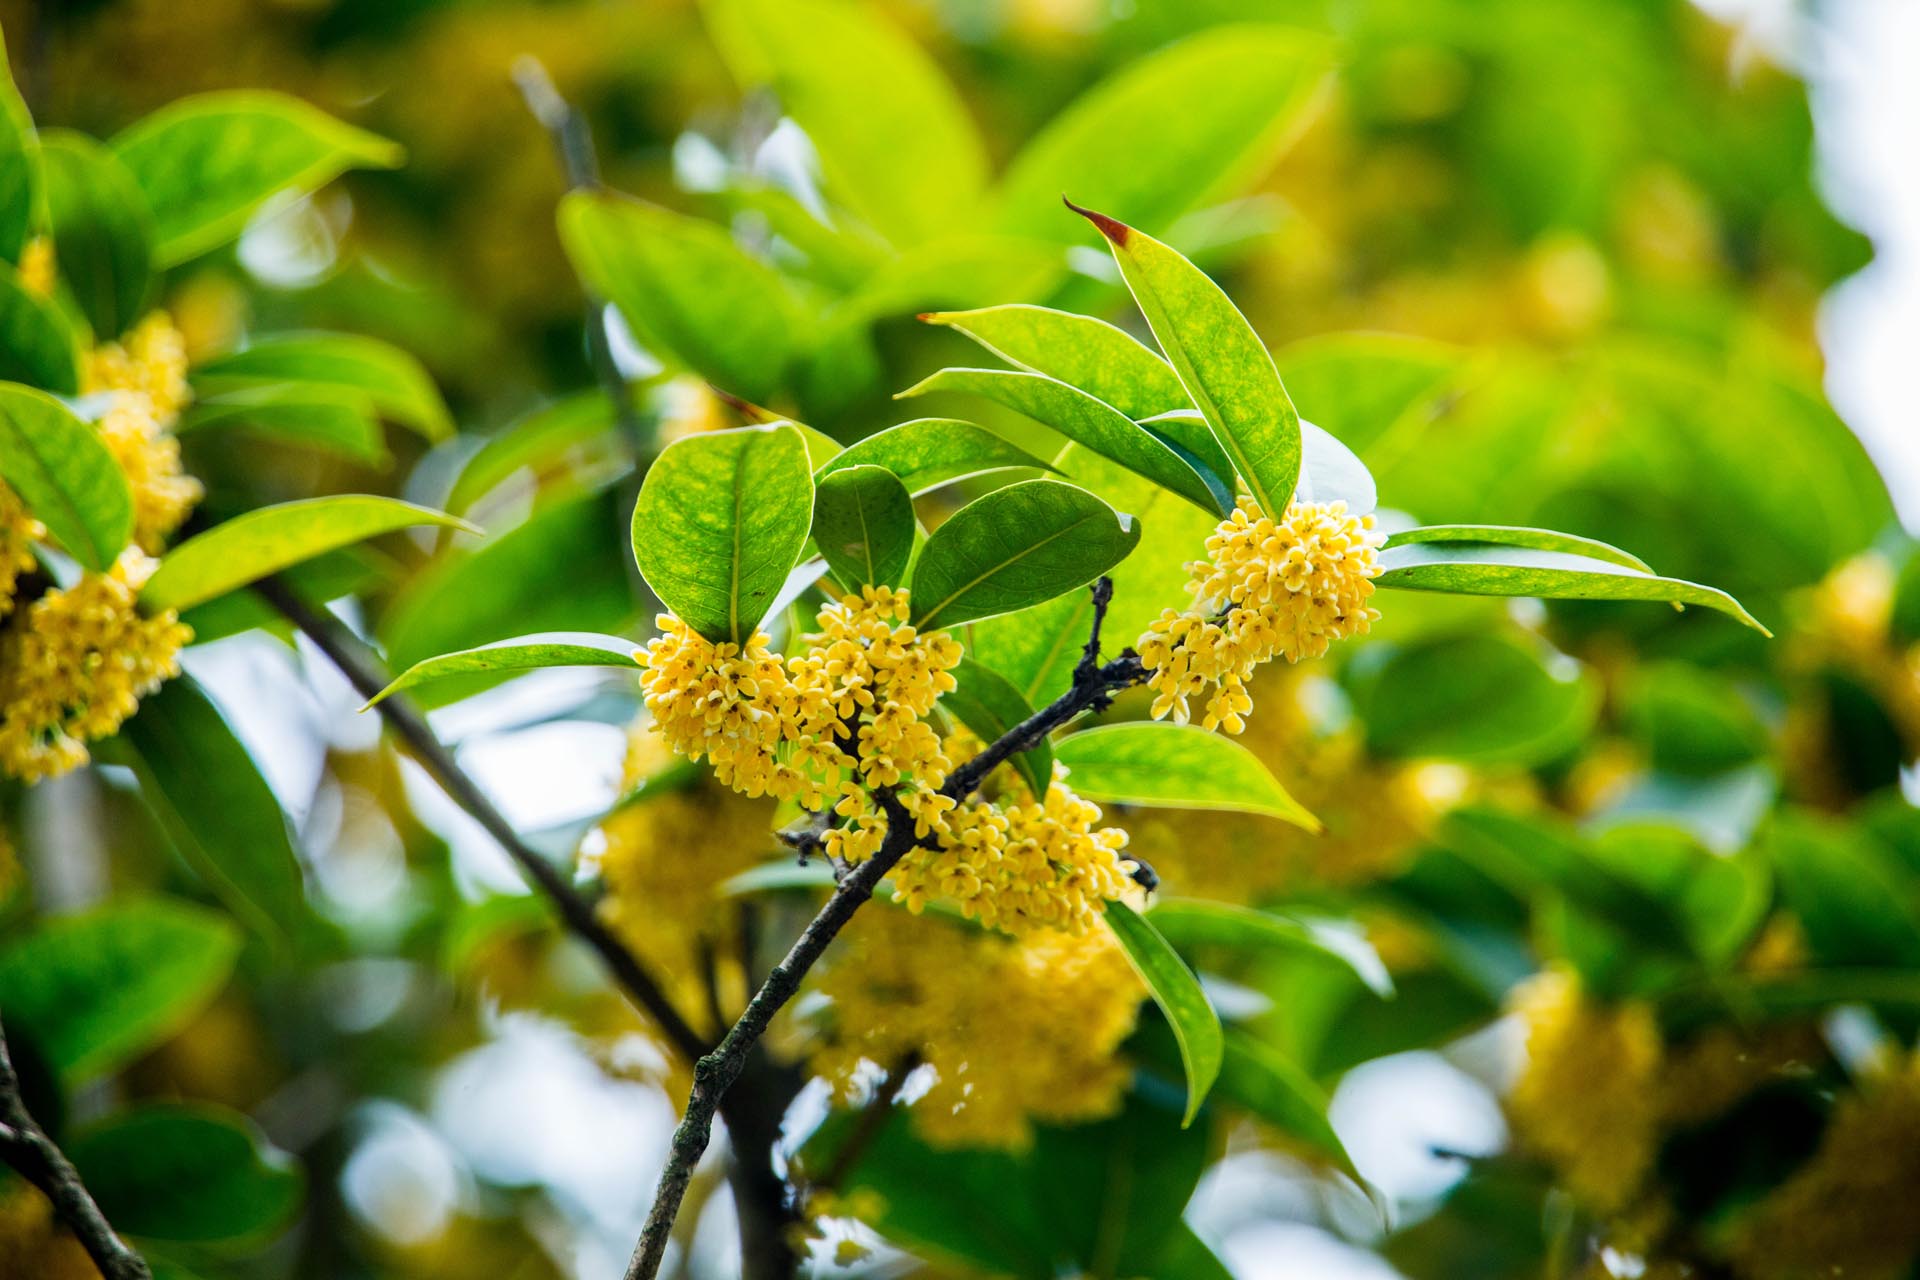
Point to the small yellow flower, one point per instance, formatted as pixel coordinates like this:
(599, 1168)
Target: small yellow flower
(18, 532)
(149, 457)
(39, 273)
(150, 360)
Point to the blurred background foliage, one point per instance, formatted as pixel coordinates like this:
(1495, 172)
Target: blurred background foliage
(1647, 886)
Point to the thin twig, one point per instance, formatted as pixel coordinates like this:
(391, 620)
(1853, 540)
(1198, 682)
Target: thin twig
(1094, 685)
(363, 671)
(26, 1147)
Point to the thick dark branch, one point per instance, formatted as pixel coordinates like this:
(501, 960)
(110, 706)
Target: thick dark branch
(1093, 686)
(363, 670)
(26, 1147)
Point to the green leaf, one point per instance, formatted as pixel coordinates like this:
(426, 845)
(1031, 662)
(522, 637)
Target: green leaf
(1482, 569)
(987, 703)
(929, 452)
(509, 657)
(1331, 472)
(1190, 922)
(720, 522)
(692, 296)
(98, 989)
(1774, 997)
(1514, 536)
(1016, 547)
(1259, 1078)
(209, 161)
(252, 546)
(1174, 988)
(1101, 359)
(213, 802)
(1362, 387)
(1242, 92)
(1691, 722)
(532, 443)
(863, 523)
(1227, 372)
(102, 230)
(193, 1173)
(1175, 766)
(1085, 420)
(65, 476)
(19, 169)
(1856, 903)
(911, 164)
(337, 421)
(1477, 698)
(37, 345)
(335, 364)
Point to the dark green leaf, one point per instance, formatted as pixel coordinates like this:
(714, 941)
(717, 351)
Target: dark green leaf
(987, 703)
(337, 421)
(1016, 547)
(65, 475)
(1477, 698)
(37, 345)
(720, 522)
(1175, 766)
(19, 169)
(1261, 1079)
(98, 989)
(1855, 902)
(191, 1173)
(1690, 721)
(1190, 922)
(1174, 988)
(102, 230)
(863, 524)
(929, 452)
(1099, 358)
(209, 161)
(508, 658)
(334, 364)
(532, 443)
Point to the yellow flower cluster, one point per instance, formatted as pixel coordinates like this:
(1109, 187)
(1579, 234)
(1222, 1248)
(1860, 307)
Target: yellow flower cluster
(18, 532)
(151, 361)
(163, 496)
(1012, 1031)
(662, 859)
(74, 665)
(1267, 589)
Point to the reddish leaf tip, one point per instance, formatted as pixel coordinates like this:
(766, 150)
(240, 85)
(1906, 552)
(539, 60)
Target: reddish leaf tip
(745, 408)
(1112, 228)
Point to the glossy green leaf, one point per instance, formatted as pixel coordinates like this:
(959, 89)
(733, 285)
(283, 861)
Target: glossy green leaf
(37, 345)
(1480, 698)
(1264, 1081)
(1855, 902)
(532, 444)
(332, 420)
(720, 522)
(509, 658)
(1174, 988)
(1176, 766)
(907, 164)
(1226, 370)
(19, 168)
(1016, 547)
(929, 452)
(334, 364)
(102, 230)
(263, 542)
(988, 703)
(208, 162)
(193, 1173)
(1482, 569)
(96, 990)
(1099, 358)
(692, 295)
(1243, 93)
(64, 474)
(1691, 722)
(863, 524)
(1513, 536)
(216, 806)
(1190, 922)
(1086, 421)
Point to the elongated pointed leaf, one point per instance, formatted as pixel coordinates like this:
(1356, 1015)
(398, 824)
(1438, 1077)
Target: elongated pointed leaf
(334, 420)
(1516, 536)
(1331, 472)
(1227, 372)
(987, 703)
(863, 524)
(334, 364)
(1481, 698)
(1481, 569)
(100, 988)
(1273, 1087)
(1174, 988)
(1177, 766)
(193, 1173)
(719, 524)
(102, 230)
(507, 658)
(249, 547)
(1099, 358)
(1190, 922)
(1084, 420)
(1016, 547)
(208, 162)
(65, 475)
(929, 452)
(19, 168)
(37, 344)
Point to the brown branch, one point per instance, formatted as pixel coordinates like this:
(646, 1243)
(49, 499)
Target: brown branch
(363, 671)
(1094, 685)
(26, 1147)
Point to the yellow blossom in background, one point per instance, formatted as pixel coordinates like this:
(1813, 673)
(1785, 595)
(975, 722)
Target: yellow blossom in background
(1587, 1100)
(18, 532)
(74, 665)
(32, 1243)
(151, 359)
(1012, 1031)
(149, 457)
(39, 273)
(1268, 589)
(663, 859)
